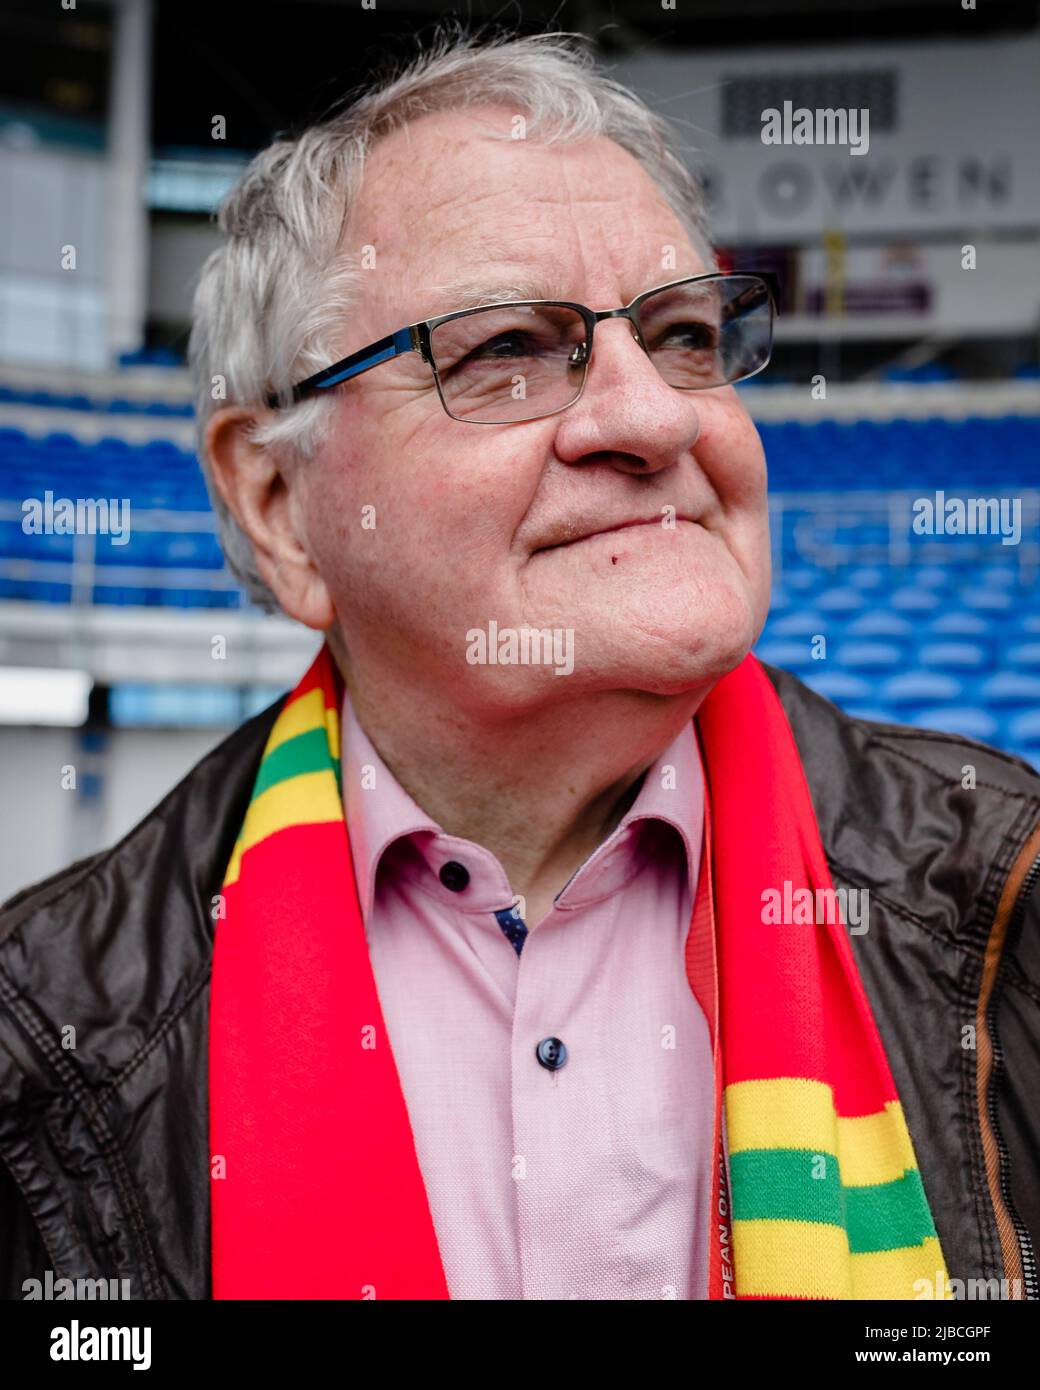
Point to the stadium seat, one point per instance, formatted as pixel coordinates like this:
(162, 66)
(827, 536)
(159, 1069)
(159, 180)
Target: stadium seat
(1012, 688)
(868, 578)
(790, 655)
(876, 657)
(958, 624)
(800, 622)
(919, 690)
(879, 623)
(1024, 731)
(841, 601)
(914, 600)
(932, 577)
(987, 599)
(1025, 656)
(952, 656)
(839, 686)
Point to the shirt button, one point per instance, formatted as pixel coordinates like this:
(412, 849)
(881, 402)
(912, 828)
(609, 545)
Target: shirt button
(552, 1053)
(454, 876)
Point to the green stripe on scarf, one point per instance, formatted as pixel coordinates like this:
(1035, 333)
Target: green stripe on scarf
(779, 1185)
(307, 752)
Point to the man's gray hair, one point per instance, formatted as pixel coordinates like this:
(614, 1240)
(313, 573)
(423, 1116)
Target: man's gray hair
(273, 300)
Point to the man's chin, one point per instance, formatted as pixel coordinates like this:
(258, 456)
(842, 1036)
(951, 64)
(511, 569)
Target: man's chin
(660, 665)
(678, 677)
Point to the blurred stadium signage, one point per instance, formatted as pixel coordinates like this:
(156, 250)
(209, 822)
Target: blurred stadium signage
(952, 136)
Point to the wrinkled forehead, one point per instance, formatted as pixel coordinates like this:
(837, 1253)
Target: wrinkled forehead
(455, 211)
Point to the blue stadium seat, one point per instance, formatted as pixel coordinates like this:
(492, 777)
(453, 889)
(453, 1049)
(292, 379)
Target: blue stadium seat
(803, 581)
(987, 599)
(879, 623)
(881, 658)
(1012, 688)
(792, 656)
(959, 624)
(931, 577)
(61, 443)
(920, 690)
(800, 622)
(841, 601)
(914, 600)
(965, 720)
(868, 578)
(1025, 656)
(1024, 731)
(997, 576)
(839, 686)
(954, 657)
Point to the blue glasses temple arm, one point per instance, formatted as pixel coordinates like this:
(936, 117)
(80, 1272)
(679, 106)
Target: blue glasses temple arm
(390, 346)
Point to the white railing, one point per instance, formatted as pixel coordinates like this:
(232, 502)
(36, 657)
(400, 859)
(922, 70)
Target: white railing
(812, 521)
(84, 575)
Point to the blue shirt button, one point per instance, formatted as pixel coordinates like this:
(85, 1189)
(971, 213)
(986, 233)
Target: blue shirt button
(552, 1053)
(454, 876)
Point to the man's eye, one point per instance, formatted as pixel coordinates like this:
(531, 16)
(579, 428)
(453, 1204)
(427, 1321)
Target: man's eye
(689, 335)
(511, 344)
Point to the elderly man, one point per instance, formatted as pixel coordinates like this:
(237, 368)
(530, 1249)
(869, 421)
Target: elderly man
(541, 944)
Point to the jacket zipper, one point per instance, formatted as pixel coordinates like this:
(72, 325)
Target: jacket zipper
(1031, 1287)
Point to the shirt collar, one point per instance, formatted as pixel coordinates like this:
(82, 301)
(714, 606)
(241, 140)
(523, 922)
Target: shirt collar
(380, 812)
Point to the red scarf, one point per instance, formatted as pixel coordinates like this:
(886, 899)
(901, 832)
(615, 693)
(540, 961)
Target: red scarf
(317, 1191)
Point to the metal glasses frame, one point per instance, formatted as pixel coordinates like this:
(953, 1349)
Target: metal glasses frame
(415, 337)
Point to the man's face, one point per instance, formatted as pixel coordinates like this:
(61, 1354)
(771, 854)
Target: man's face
(475, 523)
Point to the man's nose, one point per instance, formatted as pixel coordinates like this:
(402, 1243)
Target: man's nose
(627, 408)
(621, 367)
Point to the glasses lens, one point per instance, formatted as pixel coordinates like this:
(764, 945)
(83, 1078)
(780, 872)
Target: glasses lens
(510, 362)
(710, 332)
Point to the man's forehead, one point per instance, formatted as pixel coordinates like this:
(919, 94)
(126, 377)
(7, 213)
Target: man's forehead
(458, 249)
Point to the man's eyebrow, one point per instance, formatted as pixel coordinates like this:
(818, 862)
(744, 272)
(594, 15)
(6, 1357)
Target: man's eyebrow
(470, 294)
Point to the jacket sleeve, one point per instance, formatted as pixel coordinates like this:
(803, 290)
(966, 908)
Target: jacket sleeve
(22, 1252)
(1018, 1029)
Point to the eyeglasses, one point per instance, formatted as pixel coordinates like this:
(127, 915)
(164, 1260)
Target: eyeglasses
(501, 364)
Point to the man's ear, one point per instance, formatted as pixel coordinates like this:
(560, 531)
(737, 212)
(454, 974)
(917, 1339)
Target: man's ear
(258, 490)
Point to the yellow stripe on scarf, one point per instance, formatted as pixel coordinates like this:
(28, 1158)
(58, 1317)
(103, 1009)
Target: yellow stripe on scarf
(792, 1113)
(310, 799)
(801, 1259)
(778, 1255)
(307, 713)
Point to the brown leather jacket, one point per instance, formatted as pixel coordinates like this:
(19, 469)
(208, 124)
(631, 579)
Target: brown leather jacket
(104, 1156)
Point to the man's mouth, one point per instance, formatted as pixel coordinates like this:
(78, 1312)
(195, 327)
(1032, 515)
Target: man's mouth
(660, 521)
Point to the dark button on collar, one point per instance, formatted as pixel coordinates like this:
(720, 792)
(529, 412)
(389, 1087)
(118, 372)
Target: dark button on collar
(552, 1053)
(454, 876)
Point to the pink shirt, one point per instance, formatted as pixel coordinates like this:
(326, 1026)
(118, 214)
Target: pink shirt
(590, 1180)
